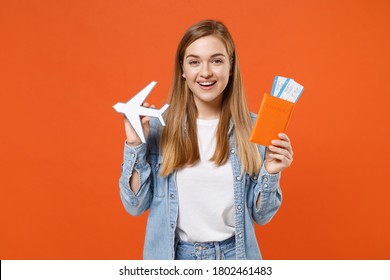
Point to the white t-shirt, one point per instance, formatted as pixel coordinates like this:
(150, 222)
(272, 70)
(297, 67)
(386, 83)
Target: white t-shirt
(205, 193)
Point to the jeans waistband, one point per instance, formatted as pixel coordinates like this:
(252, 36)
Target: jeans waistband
(208, 245)
(205, 250)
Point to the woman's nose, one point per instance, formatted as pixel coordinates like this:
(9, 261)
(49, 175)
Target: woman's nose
(206, 71)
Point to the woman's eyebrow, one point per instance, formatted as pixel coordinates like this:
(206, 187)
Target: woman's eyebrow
(196, 56)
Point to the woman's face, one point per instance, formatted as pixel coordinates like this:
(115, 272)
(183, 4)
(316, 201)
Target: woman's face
(206, 69)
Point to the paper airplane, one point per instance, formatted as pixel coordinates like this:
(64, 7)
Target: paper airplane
(133, 109)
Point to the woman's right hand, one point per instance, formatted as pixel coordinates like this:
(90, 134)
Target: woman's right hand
(132, 138)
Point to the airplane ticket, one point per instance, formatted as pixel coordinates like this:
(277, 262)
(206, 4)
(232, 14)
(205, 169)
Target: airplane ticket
(287, 89)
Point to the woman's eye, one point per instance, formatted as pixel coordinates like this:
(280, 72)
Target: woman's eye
(218, 61)
(194, 62)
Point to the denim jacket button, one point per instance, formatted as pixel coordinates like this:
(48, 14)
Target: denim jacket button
(132, 154)
(240, 235)
(172, 196)
(239, 207)
(255, 178)
(265, 185)
(232, 151)
(238, 178)
(265, 179)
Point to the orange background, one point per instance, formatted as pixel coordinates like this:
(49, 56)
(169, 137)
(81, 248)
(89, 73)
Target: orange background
(63, 64)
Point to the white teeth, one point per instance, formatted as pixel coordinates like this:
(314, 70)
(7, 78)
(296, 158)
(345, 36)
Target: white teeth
(206, 83)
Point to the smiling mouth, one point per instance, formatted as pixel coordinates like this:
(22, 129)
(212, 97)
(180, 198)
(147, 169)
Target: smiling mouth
(207, 84)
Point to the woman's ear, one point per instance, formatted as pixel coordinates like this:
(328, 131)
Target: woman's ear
(183, 75)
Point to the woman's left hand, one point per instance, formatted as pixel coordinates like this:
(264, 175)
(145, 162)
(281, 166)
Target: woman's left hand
(279, 155)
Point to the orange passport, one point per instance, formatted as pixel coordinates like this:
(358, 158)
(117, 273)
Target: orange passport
(274, 115)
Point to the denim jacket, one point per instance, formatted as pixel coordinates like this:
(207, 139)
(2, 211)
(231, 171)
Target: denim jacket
(159, 195)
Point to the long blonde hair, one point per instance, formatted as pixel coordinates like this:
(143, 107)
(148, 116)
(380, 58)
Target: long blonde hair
(179, 140)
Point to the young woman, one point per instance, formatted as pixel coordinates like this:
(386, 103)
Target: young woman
(204, 183)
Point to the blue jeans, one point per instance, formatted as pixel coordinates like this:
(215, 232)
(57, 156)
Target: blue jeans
(223, 250)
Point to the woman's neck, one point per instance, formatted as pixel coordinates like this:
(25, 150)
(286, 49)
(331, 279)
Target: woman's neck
(208, 111)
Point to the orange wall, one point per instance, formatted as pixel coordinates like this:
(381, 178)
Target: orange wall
(65, 63)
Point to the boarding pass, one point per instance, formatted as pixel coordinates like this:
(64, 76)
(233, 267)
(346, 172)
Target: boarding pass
(287, 89)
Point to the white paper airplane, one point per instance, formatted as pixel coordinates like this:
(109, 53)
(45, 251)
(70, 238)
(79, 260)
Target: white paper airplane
(133, 109)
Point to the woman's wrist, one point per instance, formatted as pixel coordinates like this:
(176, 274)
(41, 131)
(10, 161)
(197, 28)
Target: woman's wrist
(133, 144)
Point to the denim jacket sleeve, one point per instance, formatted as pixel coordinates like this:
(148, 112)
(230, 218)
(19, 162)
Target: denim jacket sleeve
(267, 189)
(135, 159)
